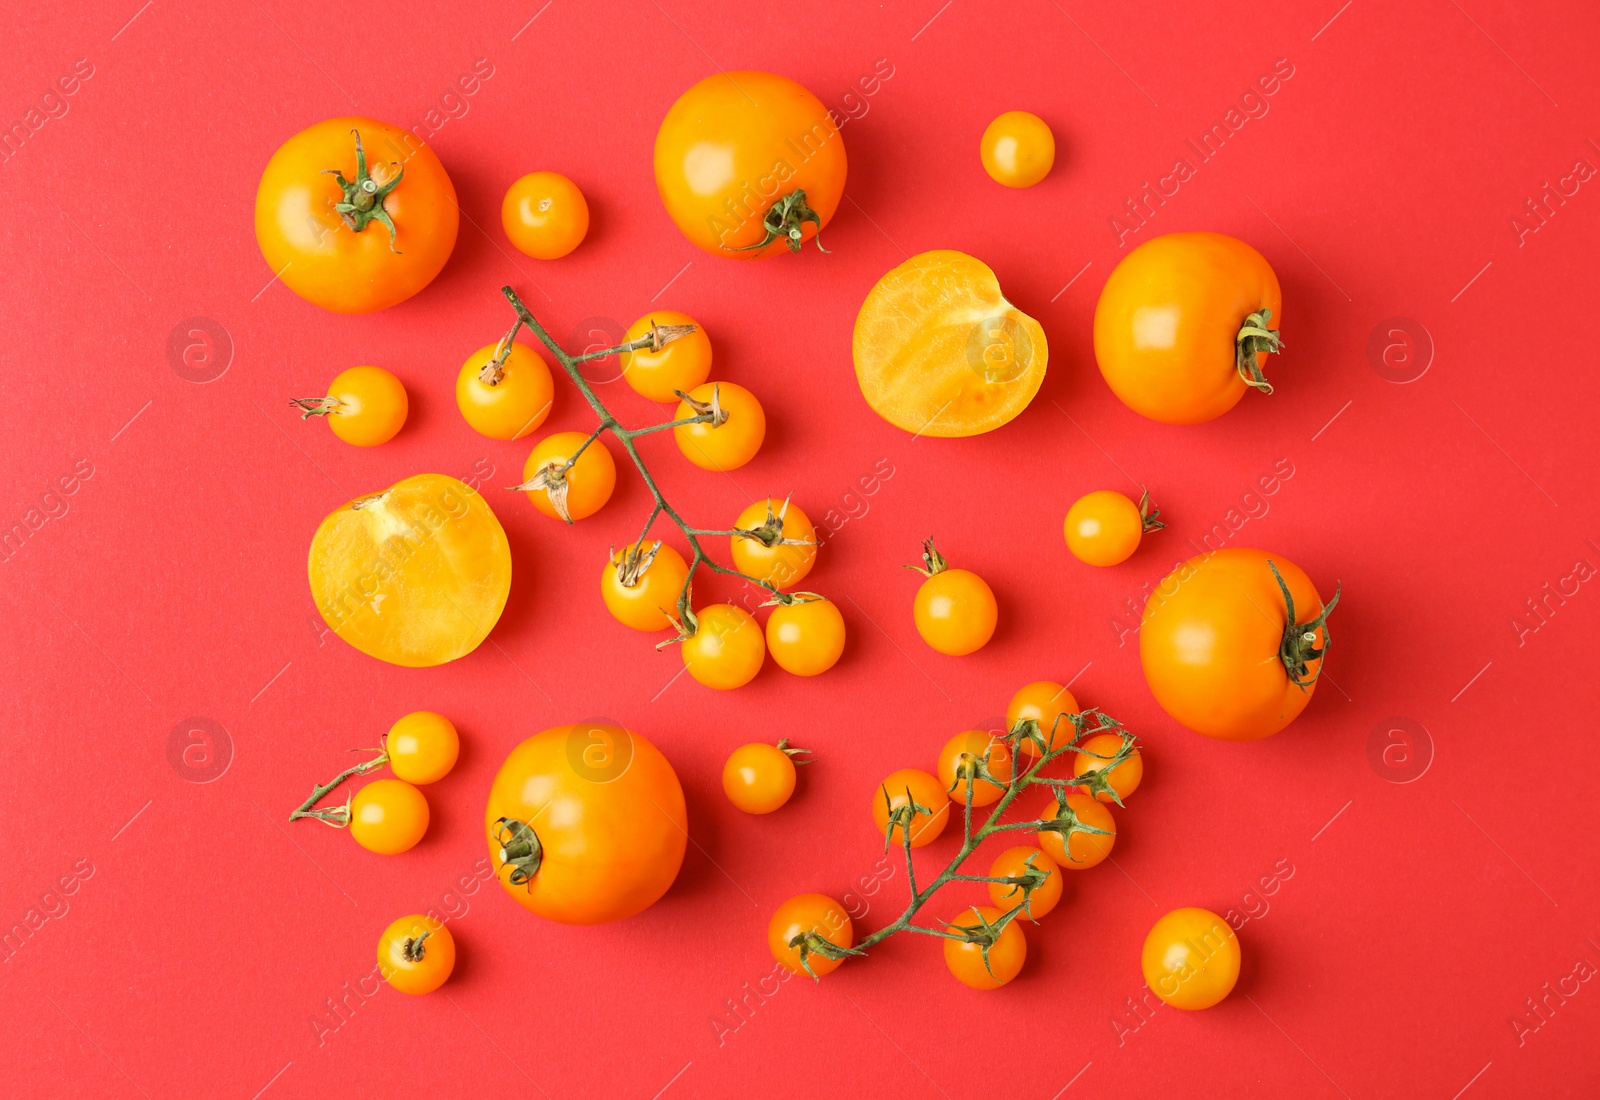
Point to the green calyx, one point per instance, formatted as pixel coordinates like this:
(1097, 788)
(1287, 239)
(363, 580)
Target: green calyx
(1253, 339)
(412, 949)
(932, 561)
(363, 198)
(1299, 647)
(784, 219)
(519, 849)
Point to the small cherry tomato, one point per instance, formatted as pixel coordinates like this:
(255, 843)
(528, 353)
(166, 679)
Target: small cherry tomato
(899, 791)
(1050, 705)
(1078, 849)
(388, 816)
(806, 637)
(726, 649)
(1026, 862)
(641, 585)
(1098, 751)
(731, 437)
(1018, 149)
(422, 747)
(803, 919)
(758, 778)
(365, 406)
(954, 610)
(681, 365)
(960, 759)
(567, 492)
(545, 216)
(1191, 958)
(985, 960)
(1104, 527)
(508, 398)
(416, 954)
(780, 545)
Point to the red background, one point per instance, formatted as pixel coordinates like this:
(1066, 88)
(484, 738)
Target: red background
(204, 934)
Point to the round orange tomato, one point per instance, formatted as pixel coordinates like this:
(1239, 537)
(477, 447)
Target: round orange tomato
(1230, 650)
(799, 924)
(732, 435)
(939, 351)
(954, 609)
(759, 778)
(416, 954)
(1024, 862)
(1185, 324)
(355, 215)
(1191, 958)
(1104, 527)
(422, 747)
(892, 807)
(1018, 149)
(365, 406)
(664, 368)
(586, 823)
(982, 958)
(1074, 846)
(749, 164)
(544, 215)
(504, 398)
(960, 760)
(569, 492)
(388, 816)
(416, 575)
(726, 649)
(806, 637)
(1098, 751)
(778, 544)
(1050, 705)
(641, 585)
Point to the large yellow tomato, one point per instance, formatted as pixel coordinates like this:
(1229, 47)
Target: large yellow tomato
(355, 215)
(1230, 651)
(939, 351)
(416, 575)
(748, 164)
(1185, 324)
(586, 823)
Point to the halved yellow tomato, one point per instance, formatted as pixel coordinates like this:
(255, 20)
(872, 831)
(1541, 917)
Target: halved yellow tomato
(939, 351)
(416, 575)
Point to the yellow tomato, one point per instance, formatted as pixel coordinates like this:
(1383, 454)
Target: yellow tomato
(365, 406)
(780, 545)
(960, 759)
(930, 811)
(416, 575)
(977, 963)
(565, 492)
(1018, 149)
(422, 747)
(1050, 705)
(1191, 958)
(1026, 862)
(545, 215)
(505, 400)
(731, 437)
(759, 778)
(659, 372)
(954, 610)
(726, 650)
(388, 816)
(806, 637)
(938, 351)
(1100, 750)
(1078, 849)
(641, 585)
(416, 954)
(1104, 527)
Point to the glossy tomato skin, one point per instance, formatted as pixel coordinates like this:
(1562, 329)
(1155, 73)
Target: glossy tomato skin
(736, 144)
(805, 914)
(609, 815)
(372, 406)
(727, 648)
(1097, 751)
(683, 364)
(422, 747)
(590, 481)
(969, 747)
(416, 935)
(1006, 955)
(726, 446)
(782, 565)
(806, 638)
(1081, 850)
(1050, 705)
(1191, 958)
(1103, 528)
(388, 816)
(1210, 639)
(544, 215)
(1014, 863)
(653, 597)
(1167, 319)
(758, 778)
(923, 789)
(955, 612)
(416, 575)
(307, 244)
(1018, 149)
(513, 405)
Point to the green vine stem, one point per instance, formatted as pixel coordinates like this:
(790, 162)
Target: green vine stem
(339, 816)
(1088, 724)
(709, 412)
